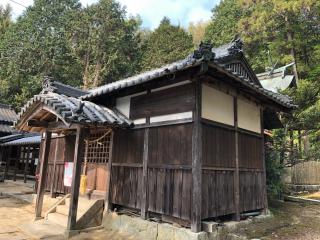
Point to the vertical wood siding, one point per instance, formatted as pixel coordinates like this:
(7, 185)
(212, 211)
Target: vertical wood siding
(169, 170)
(252, 193)
(250, 151)
(217, 193)
(218, 147)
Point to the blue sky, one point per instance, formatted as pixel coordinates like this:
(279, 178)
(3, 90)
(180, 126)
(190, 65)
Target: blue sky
(151, 11)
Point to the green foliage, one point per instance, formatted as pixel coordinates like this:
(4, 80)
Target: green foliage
(166, 44)
(106, 43)
(274, 170)
(223, 26)
(36, 45)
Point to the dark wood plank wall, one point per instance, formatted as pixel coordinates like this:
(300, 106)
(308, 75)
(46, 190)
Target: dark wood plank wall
(252, 193)
(250, 151)
(173, 100)
(170, 158)
(218, 171)
(169, 170)
(251, 170)
(126, 173)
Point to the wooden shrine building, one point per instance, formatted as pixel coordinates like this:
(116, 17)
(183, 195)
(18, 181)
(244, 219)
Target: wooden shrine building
(183, 142)
(19, 156)
(7, 118)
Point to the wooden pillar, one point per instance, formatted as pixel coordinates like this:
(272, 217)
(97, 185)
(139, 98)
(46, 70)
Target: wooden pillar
(16, 163)
(26, 164)
(236, 167)
(43, 173)
(196, 161)
(7, 158)
(53, 177)
(72, 217)
(108, 204)
(144, 188)
(264, 165)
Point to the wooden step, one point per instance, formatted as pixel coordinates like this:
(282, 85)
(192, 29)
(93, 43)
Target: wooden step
(64, 210)
(83, 203)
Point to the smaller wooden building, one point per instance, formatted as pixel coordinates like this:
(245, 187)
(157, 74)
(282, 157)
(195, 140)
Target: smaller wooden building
(7, 118)
(183, 142)
(19, 154)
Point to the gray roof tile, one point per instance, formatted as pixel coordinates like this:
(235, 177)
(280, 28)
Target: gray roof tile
(220, 54)
(73, 110)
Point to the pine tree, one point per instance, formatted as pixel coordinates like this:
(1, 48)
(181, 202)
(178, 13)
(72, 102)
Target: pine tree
(166, 44)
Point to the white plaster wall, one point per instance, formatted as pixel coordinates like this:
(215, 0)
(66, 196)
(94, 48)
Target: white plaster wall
(217, 106)
(171, 117)
(171, 86)
(249, 115)
(123, 103)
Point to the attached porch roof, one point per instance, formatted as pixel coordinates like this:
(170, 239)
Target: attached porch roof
(51, 107)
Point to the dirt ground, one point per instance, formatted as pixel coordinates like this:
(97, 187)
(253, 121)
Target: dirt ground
(290, 221)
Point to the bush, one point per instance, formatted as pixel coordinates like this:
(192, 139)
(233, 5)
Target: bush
(274, 171)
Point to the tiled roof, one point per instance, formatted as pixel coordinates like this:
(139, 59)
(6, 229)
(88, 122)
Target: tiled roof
(10, 137)
(144, 77)
(5, 128)
(277, 79)
(73, 110)
(49, 85)
(7, 114)
(192, 61)
(35, 139)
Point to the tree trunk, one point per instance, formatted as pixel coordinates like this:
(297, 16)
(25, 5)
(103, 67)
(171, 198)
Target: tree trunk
(292, 49)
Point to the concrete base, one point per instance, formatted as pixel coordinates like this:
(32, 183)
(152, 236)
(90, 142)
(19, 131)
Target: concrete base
(143, 229)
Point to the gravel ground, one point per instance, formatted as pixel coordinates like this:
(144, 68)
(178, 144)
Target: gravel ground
(291, 221)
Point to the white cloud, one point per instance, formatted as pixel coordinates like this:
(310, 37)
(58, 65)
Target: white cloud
(151, 11)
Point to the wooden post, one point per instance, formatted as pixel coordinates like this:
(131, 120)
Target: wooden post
(26, 164)
(52, 187)
(196, 161)
(43, 173)
(72, 217)
(236, 167)
(17, 160)
(7, 156)
(264, 165)
(108, 204)
(144, 188)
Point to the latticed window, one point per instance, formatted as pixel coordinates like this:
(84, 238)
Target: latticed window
(97, 146)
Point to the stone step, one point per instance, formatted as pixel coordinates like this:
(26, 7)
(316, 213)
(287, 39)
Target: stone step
(58, 218)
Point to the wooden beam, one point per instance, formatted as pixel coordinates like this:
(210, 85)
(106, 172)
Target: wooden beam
(144, 188)
(72, 217)
(196, 161)
(26, 164)
(7, 157)
(52, 187)
(37, 123)
(17, 159)
(236, 171)
(43, 170)
(108, 204)
(265, 200)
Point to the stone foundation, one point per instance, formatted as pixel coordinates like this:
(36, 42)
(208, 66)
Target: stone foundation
(148, 230)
